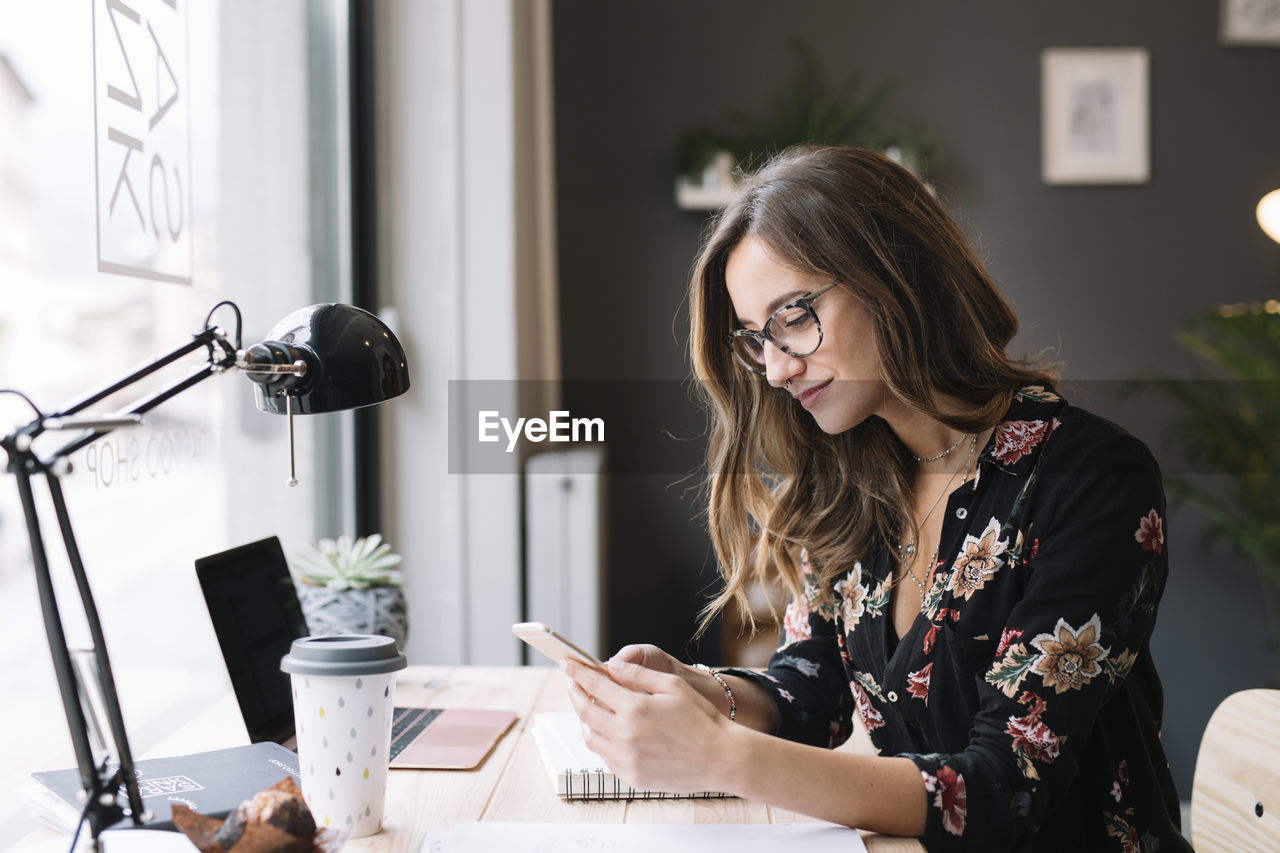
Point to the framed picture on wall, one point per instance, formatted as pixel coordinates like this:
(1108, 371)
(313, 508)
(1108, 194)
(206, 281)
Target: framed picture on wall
(1095, 116)
(1250, 22)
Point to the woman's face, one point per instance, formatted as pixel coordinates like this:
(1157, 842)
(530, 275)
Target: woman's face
(840, 384)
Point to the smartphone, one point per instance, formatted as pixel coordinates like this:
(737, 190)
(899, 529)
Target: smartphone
(552, 644)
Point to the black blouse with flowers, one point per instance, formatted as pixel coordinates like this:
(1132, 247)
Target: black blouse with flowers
(1024, 690)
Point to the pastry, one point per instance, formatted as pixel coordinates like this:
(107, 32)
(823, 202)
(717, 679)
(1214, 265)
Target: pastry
(284, 810)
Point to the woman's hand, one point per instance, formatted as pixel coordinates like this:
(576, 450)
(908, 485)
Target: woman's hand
(649, 724)
(652, 657)
(657, 732)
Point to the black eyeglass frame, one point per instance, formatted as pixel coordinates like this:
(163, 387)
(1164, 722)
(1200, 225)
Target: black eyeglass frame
(805, 302)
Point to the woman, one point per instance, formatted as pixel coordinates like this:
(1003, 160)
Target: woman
(974, 563)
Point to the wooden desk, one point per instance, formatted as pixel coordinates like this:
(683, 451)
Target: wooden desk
(512, 783)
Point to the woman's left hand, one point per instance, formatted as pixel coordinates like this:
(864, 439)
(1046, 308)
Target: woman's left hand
(651, 727)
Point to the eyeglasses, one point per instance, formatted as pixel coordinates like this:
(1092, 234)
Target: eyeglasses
(793, 328)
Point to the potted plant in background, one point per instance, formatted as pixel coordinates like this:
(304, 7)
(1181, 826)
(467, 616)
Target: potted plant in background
(1227, 428)
(807, 110)
(351, 586)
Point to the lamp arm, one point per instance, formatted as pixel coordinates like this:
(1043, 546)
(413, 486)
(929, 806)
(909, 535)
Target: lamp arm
(99, 812)
(141, 407)
(102, 808)
(110, 697)
(209, 338)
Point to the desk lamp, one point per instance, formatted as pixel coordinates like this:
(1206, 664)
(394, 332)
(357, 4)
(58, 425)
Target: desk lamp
(324, 358)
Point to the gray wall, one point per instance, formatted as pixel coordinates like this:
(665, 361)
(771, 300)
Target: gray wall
(1101, 274)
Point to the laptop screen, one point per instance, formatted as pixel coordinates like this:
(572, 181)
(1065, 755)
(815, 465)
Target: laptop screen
(256, 616)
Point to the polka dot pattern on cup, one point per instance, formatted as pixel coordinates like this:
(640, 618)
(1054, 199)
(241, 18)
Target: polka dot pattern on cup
(342, 725)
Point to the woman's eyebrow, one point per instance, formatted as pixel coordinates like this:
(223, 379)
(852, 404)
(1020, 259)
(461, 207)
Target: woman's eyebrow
(771, 307)
(783, 300)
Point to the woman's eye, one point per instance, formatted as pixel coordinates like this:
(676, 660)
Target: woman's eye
(799, 320)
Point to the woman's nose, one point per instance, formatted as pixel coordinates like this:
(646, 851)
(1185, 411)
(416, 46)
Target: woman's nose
(780, 366)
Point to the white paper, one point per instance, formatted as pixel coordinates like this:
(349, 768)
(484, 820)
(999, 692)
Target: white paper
(48, 809)
(145, 841)
(577, 773)
(499, 837)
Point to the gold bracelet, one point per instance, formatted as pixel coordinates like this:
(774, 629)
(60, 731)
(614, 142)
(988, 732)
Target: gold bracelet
(728, 691)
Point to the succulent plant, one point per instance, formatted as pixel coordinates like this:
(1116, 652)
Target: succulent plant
(347, 563)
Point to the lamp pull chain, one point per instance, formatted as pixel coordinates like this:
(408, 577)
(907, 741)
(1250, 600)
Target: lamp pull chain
(293, 469)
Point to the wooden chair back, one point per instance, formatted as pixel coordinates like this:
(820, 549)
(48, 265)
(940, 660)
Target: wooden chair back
(1235, 799)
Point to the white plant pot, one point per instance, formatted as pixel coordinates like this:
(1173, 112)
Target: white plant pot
(377, 610)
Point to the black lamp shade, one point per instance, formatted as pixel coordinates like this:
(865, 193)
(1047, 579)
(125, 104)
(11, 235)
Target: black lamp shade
(352, 360)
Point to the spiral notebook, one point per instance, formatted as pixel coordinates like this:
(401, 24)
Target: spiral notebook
(577, 773)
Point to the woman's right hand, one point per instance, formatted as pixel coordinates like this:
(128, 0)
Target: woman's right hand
(651, 657)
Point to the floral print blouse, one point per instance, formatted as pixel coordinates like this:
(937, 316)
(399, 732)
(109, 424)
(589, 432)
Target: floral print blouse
(1025, 690)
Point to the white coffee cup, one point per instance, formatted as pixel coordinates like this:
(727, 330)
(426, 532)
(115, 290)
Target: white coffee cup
(343, 702)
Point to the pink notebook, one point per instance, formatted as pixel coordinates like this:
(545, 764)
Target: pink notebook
(445, 738)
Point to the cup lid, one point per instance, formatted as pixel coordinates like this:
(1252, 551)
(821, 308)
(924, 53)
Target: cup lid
(344, 654)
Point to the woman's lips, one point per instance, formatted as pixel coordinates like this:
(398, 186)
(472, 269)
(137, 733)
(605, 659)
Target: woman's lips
(809, 396)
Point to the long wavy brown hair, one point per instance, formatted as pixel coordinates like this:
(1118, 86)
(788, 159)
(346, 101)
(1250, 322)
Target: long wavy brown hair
(775, 481)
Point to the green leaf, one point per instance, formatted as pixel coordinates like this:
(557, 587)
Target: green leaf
(809, 110)
(1008, 672)
(1227, 431)
(348, 563)
(869, 684)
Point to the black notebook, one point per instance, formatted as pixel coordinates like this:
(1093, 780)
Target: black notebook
(211, 783)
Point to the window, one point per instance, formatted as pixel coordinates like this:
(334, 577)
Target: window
(157, 158)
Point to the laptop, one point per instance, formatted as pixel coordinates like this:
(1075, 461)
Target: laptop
(256, 615)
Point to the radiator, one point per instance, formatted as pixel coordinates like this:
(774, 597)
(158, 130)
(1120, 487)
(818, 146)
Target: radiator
(564, 513)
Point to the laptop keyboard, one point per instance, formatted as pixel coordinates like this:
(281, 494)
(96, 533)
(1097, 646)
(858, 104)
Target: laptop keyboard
(407, 724)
